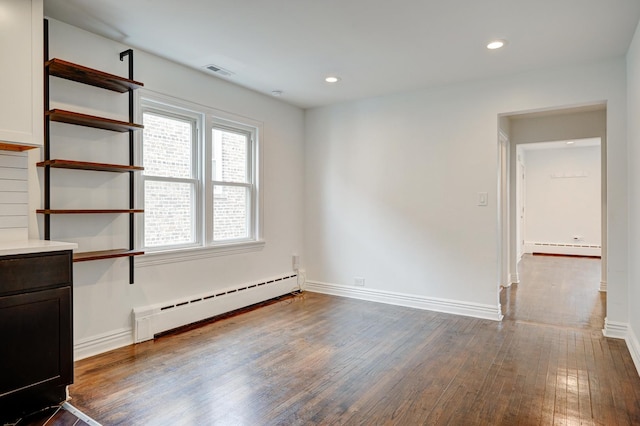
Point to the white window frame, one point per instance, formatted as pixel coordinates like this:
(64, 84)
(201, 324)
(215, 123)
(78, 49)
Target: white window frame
(196, 172)
(251, 134)
(216, 153)
(206, 119)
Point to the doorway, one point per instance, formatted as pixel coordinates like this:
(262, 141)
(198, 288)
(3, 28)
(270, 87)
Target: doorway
(543, 126)
(558, 191)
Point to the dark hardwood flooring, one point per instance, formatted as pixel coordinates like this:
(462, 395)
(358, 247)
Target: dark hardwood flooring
(321, 359)
(557, 290)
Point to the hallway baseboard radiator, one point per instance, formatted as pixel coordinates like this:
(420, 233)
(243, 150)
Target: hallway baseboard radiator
(153, 319)
(575, 249)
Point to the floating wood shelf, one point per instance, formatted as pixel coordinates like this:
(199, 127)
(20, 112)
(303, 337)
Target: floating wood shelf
(90, 76)
(105, 254)
(83, 165)
(88, 211)
(86, 120)
(14, 147)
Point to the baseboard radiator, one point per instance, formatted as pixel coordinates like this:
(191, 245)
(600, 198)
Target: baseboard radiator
(577, 249)
(153, 319)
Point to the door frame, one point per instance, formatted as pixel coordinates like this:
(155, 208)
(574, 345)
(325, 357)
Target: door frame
(520, 205)
(507, 256)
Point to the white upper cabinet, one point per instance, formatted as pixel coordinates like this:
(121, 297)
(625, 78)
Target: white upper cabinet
(21, 71)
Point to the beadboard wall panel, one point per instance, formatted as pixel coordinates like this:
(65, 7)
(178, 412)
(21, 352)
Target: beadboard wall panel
(14, 196)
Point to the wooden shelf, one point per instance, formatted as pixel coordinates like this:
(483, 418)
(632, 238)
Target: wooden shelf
(88, 211)
(90, 76)
(105, 254)
(83, 165)
(102, 80)
(14, 147)
(86, 120)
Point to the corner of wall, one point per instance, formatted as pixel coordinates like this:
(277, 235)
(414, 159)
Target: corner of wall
(634, 348)
(614, 329)
(618, 330)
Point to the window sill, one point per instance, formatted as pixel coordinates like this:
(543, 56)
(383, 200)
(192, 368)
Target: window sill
(195, 253)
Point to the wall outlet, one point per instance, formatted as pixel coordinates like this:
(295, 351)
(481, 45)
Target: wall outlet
(359, 281)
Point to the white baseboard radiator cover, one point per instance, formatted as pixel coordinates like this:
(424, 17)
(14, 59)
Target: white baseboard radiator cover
(576, 249)
(153, 319)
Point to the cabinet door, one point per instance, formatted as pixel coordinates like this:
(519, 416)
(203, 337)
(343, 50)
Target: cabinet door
(21, 67)
(35, 331)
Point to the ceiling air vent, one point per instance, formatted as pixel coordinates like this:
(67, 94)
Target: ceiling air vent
(219, 70)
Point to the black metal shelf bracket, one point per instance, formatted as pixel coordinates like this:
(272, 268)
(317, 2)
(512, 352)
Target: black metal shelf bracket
(129, 53)
(47, 137)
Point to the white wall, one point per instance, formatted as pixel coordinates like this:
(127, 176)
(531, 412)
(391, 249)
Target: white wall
(103, 298)
(392, 183)
(562, 195)
(633, 87)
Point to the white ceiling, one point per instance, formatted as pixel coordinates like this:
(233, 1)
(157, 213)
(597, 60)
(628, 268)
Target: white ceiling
(377, 47)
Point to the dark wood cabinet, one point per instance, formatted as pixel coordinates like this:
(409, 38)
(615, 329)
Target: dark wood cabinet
(36, 331)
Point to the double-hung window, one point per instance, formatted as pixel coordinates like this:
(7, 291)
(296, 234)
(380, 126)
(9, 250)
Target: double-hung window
(171, 178)
(200, 181)
(233, 183)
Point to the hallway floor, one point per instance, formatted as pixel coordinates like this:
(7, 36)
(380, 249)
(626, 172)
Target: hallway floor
(557, 290)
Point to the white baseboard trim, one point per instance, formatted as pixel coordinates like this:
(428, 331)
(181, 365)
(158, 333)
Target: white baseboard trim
(603, 286)
(614, 329)
(563, 249)
(456, 307)
(94, 345)
(620, 330)
(514, 279)
(634, 348)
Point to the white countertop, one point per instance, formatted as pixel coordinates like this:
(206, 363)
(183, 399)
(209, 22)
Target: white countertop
(33, 246)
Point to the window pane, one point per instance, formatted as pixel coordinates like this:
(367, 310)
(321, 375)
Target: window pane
(230, 212)
(167, 147)
(229, 156)
(168, 213)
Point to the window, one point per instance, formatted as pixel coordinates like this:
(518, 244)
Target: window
(191, 202)
(170, 179)
(232, 181)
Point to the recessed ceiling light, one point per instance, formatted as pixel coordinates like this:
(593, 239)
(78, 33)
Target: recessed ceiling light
(570, 142)
(332, 79)
(496, 44)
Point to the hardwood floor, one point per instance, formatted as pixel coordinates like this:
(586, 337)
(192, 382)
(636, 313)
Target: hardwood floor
(330, 360)
(557, 290)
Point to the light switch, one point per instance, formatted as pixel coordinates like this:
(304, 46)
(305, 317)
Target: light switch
(483, 199)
